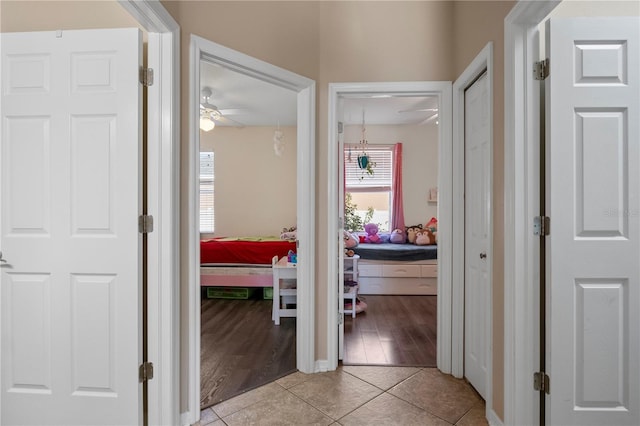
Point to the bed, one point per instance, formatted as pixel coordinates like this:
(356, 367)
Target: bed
(240, 261)
(397, 269)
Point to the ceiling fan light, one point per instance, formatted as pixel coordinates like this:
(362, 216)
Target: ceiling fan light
(206, 123)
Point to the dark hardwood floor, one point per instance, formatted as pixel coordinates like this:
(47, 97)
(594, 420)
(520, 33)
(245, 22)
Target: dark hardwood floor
(241, 348)
(394, 331)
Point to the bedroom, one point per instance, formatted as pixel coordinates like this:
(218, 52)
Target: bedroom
(396, 281)
(245, 155)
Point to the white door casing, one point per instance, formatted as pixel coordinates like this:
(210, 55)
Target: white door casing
(593, 190)
(70, 198)
(477, 233)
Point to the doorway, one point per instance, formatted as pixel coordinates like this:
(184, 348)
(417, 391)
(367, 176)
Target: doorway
(393, 280)
(304, 92)
(247, 155)
(442, 91)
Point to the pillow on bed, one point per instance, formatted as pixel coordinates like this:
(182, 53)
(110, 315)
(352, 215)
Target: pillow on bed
(411, 232)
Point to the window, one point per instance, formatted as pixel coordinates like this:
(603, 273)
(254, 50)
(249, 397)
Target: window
(370, 194)
(207, 218)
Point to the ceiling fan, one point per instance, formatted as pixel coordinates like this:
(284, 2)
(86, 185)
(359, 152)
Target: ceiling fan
(430, 117)
(210, 114)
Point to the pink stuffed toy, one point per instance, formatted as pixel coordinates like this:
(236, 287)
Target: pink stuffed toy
(372, 233)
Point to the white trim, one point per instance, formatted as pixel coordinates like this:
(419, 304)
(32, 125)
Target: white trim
(493, 419)
(521, 192)
(335, 218)
(322, 365)
(202, 49)
(483, 61)
(163, 170)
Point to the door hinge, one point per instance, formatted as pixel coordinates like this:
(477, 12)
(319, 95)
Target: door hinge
(146, 371)
(541, 382)
(145, 224)
(541, 225)
(340, 127)
(340, 318)
(541, 69)
(146, 76)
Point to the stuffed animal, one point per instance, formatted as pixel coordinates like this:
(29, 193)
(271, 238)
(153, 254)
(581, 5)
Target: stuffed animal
(349, 252)
(372, 233)
(398, 236)
(411, 232)
(350, 241)
(432, 224)
(425, 237)
(289, 234)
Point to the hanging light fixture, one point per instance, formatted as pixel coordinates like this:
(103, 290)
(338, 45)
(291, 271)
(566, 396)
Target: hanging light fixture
(206, 122)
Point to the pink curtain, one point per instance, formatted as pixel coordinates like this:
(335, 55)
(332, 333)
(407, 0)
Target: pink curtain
(397, 209)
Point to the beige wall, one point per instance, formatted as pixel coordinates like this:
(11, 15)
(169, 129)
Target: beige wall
(419, 163)
(255, 190)
(65, 15)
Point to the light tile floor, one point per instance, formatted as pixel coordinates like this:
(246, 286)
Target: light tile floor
(355, 395)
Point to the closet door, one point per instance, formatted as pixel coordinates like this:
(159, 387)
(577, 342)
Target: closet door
(70, 198)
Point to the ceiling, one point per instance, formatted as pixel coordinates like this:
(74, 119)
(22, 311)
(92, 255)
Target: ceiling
(248, 101)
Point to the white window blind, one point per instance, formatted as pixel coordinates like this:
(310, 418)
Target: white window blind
(207, 218)
(358, 179)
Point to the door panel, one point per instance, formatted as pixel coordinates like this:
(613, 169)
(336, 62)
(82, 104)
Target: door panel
(593, 273)
(70, 198)
(477, 213)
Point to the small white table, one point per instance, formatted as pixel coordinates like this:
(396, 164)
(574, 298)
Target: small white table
(282, 270)
(350, 293)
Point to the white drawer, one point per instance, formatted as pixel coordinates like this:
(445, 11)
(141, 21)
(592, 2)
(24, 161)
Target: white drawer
(400, 270)
(369, 270)
(429, 271)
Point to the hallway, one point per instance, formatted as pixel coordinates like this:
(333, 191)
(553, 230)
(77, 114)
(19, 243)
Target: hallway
(355, 395)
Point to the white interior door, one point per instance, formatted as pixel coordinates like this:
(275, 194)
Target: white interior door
(70, 200)
(477, 232)
(593, 250)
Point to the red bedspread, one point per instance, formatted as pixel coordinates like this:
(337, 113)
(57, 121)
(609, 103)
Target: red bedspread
(226, 250)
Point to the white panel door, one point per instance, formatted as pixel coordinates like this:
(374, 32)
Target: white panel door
(477, 215)
(70, 199)
(593, 185)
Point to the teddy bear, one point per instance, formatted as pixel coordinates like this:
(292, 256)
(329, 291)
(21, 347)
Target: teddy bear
(398, 236)
(372, 233)
(425, 237)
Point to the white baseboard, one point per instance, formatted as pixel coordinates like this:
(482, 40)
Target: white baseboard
(186, 419)
(322, 365)
(493, 419)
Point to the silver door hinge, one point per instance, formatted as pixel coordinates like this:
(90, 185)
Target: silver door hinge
(145, 224)
(541, 69)
(146, 371)
(541, 225)
(340, 127)
(541, 382)
(341, 317)
(146, 76)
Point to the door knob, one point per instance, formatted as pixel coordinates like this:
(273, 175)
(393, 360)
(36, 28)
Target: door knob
(483, 255)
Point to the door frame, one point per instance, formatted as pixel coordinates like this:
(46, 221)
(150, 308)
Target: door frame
(163, 201)
(483, 61)
(203, 49)
(521, 204)
(442, 89)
